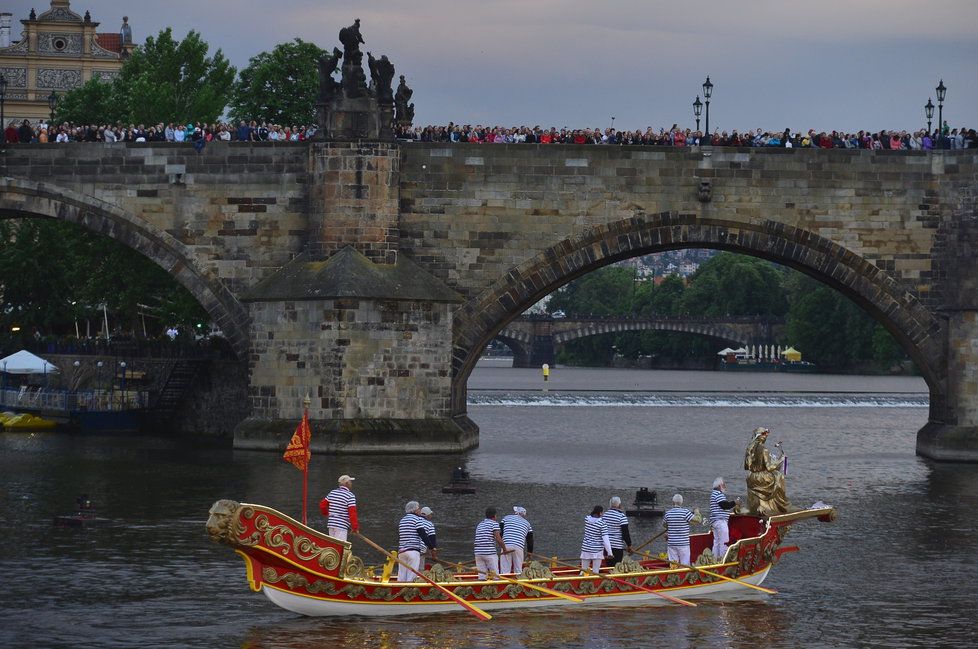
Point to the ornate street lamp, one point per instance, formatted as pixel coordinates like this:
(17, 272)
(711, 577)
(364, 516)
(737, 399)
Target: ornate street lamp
(697, 111)
(52, 102)
(707, 93)
(941, 92)
(3, 98)
(929, 113)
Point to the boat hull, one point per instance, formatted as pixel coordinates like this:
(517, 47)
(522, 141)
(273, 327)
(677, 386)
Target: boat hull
(310, 573)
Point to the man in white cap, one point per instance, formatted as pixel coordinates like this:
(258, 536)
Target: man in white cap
(676, 521)
(429, 526)
(487, 537)
(412, 540)
(518, 538)
(340, 509)
(720, 508)
(618, 532)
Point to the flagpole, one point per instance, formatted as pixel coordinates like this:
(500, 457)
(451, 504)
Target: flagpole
(305, 471)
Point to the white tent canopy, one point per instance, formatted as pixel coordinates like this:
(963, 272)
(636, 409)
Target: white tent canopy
(725, 351)
(24, 362)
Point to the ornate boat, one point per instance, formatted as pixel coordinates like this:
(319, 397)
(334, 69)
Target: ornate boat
(307, 572)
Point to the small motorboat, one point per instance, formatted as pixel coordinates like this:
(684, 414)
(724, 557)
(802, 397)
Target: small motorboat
(645, 505)
(310, 573)
(84, 516)
(24, 421)
(460, 483)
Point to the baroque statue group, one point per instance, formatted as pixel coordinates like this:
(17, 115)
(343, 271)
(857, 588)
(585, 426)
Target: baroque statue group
(351, 109)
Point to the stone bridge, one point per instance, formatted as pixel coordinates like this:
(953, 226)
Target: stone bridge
(370, 276)
(534, 339)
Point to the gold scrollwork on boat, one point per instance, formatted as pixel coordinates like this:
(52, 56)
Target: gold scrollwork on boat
(433, 594)
(284, 539)
(464, 591)
(354, 568)
(625, 566)
(585, 587)
(536, 570)
(488, 592)
(439, 573)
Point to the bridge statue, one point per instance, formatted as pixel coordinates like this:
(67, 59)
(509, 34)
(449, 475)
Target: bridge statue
(404, 112)
(352, 110)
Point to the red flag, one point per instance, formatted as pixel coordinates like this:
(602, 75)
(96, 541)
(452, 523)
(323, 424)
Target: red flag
(298, 451)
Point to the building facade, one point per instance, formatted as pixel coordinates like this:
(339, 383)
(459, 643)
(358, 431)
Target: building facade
(58, 50)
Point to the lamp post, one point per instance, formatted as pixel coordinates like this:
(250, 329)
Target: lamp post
(941, 93)
(52, 102)
(697, 111)
(122, 365)
(3, 99)
(929, 113)
(98, 383)
(3, 389)
(707, 93)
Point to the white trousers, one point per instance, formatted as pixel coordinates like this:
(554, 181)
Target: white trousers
(679, 554)
(486, 562)
(338, 533)
(592, 561)
(512, 561)
(413, 559)
(721, 538)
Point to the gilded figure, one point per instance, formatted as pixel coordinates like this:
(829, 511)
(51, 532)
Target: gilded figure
(766, 482)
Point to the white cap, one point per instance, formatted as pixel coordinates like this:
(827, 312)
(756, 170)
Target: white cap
(425, 511)
(345, 478)
(520, 510)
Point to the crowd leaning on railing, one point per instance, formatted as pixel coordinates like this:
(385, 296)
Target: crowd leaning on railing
(257, 131)
(253, 131)
(957, 138)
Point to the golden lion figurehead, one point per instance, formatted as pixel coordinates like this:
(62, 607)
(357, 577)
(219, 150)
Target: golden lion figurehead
(221, 519)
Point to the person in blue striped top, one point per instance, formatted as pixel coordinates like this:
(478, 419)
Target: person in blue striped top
(676, 521)
(487, 538)
(413, 539)
(429, 526)
(596, 545)
(518, 537)
(340, 509)
(720, 508)
(618, 532)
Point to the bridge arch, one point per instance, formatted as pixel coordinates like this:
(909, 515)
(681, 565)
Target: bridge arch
(916, 328)
(26, 199)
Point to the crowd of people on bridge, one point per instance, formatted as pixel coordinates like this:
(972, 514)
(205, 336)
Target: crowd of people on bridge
(200, 134)
(947, 138)
(196, 133)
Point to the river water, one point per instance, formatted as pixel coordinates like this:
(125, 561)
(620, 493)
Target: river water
(897, 569)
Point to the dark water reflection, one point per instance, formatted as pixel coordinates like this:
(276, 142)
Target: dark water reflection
(897, 569)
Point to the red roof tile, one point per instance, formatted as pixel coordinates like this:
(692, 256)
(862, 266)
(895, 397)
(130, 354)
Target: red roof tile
(111, 42)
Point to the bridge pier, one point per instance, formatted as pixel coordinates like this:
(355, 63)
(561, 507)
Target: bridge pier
(354, 324)
(951, 435)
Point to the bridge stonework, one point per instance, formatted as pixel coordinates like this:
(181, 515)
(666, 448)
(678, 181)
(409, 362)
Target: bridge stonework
(372, 276)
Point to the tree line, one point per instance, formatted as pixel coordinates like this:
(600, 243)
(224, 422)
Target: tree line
(176, 81)
(828, 328)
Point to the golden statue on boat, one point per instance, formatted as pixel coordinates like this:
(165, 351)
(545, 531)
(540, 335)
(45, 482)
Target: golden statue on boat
(766, 494)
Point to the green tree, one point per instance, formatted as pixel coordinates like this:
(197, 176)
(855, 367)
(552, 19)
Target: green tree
(92, 103)
(166, 80)
(607, 291)
(280, 86)
(731, 284)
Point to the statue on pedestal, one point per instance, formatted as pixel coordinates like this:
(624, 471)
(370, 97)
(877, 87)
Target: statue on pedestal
(381, 74)
(327, 66)
(404, 112)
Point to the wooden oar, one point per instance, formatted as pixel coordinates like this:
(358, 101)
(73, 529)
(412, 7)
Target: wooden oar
(474, 610)
(621, 581)
(769, 591)
(521, 582)
(639, 548)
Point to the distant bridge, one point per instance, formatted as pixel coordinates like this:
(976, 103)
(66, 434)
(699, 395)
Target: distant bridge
(534, 339)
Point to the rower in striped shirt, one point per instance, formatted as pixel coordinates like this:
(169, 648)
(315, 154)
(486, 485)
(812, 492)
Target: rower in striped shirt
(720, 508)
(518, 537)
(429, 526)
(676, 521)
(487, 537)
(413, 539)
(596, 544)
(340, 509)
(618, 532)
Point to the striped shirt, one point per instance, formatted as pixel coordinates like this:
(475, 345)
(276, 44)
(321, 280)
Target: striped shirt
(430, 529)
(595, 530)
(615, 519)
(408, 535)
(717, 513)
(677, 521)
(340, 501)
(515, 529)
(485, 540)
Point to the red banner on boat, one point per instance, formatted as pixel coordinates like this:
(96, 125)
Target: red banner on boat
(298, 451)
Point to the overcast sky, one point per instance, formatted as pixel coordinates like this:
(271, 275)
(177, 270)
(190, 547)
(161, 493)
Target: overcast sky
(823, 64)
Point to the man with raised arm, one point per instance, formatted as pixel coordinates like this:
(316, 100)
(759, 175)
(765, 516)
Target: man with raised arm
(720, 508)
